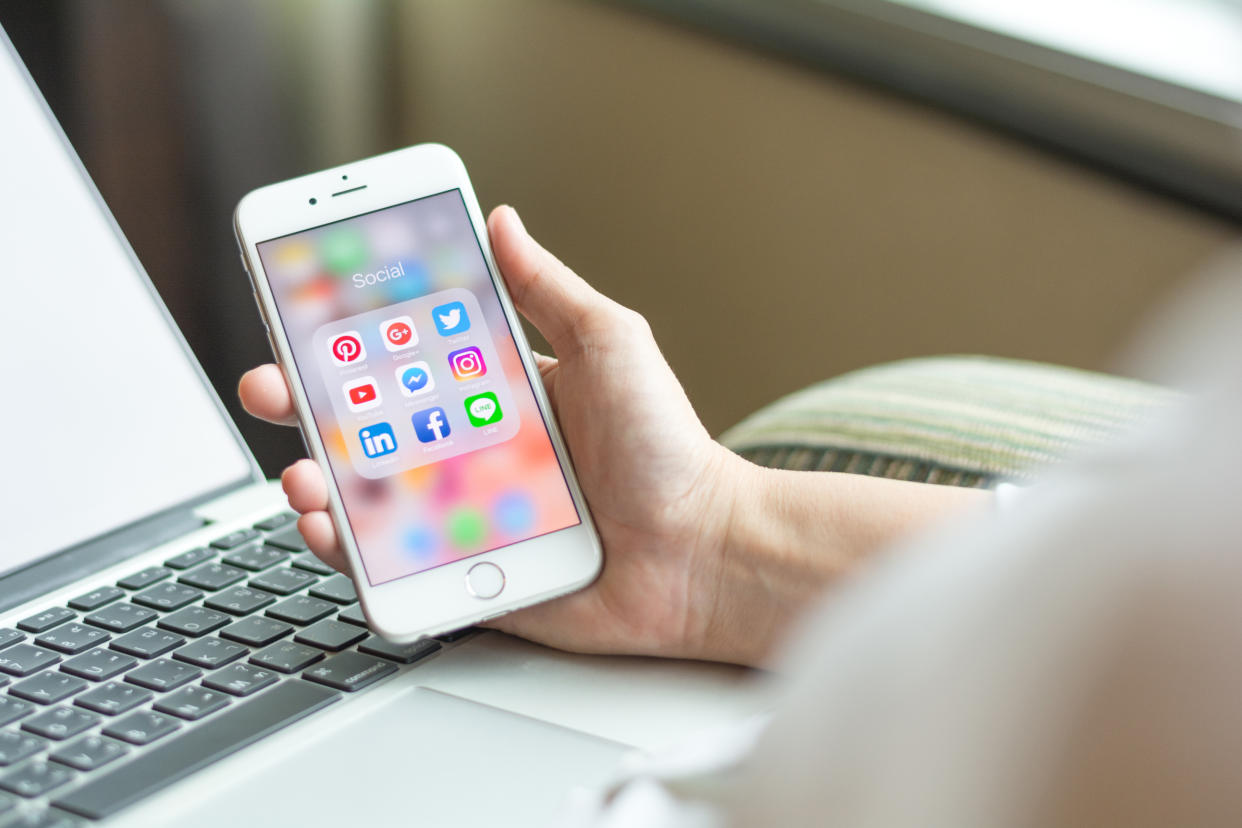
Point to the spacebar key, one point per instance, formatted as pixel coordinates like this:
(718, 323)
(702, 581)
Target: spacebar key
(231, 731)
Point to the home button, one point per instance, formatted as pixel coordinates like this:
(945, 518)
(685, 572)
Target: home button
(485, 580)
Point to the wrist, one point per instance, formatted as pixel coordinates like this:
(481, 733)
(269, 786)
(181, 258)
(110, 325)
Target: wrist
(784, 537)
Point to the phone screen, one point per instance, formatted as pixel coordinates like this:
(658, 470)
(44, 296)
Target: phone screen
(430, 424)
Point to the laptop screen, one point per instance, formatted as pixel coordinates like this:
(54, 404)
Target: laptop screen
(105, 416)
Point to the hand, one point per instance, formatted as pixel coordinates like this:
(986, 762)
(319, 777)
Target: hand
(705, 555)
(659, 488)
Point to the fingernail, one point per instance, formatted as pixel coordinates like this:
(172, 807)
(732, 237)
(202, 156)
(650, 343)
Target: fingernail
(518, 219)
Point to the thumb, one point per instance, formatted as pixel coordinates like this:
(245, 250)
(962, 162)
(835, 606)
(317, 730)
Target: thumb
(556, 300)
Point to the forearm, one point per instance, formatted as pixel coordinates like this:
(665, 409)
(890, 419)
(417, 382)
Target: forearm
(791, 535)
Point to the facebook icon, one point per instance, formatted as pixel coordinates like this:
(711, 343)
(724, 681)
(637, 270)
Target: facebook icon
(431, 424)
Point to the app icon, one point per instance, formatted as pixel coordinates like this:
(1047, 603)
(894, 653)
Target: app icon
(415, 378)
(346, 348)
(431, 424)
(483, 409)
(377, 440)
(362, 394)
(467, 364)
(451, 318)
(398, 334)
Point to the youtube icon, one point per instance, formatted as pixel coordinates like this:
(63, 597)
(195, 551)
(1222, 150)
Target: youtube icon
(362, 394)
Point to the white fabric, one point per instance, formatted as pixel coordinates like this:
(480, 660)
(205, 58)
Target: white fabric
(1072, 658)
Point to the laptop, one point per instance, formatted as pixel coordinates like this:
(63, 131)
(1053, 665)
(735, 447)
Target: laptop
(170, 653)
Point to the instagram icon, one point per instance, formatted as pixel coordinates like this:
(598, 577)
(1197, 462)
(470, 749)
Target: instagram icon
(467, 364)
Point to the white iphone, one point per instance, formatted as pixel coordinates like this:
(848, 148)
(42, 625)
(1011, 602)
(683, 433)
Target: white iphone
(449, 483)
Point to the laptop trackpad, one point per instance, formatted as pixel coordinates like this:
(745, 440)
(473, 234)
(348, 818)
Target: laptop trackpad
(422, 758)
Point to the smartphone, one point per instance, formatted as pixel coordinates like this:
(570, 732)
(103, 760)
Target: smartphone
(448, 481)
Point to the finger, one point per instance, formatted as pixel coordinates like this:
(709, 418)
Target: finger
(305, 487)
(264, 394)
(544, 363)
(554, 298)
(320, 536)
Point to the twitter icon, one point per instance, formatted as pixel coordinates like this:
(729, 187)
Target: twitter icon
(450, 318)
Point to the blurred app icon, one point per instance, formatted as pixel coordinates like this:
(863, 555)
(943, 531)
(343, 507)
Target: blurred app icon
(377, 440)
(467, 364)
(398, 334)
(451, 318)
(415, 378)
(431, 425)
(347, 348)
(483, 409)
(362, 394)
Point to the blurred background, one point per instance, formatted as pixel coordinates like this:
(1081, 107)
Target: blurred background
(787, 189)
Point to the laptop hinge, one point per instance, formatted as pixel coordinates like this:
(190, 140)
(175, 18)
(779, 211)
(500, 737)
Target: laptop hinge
(80, 561)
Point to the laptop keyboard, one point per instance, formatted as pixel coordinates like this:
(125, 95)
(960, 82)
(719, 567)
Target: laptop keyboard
(129, 688)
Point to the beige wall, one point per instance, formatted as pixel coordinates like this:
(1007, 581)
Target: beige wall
(777, 225)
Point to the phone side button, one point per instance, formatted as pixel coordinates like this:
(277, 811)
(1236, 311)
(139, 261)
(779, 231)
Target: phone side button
(485, 580)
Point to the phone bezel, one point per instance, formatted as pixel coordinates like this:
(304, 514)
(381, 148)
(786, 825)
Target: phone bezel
(435, 600)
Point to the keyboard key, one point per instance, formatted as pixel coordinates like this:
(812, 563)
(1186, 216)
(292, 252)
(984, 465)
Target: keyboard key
(98, 665)
(456, 635)
(163, 674)
(194, 621)
(349, 671)
(400, 653)
(60, 723)
(141, 728)
(35, 779)
(331, 634)
(10, 637)
(213, 576)
(49, 819)
(147, 642)
(43, 621)
(229, 731)
(302, 609)
(24, 659)
(276, 521)
(194, 557)
(144, 579)
(283, 581)
(353, 615)
(192, 703)
(48, 687)
(14, 747)
(240, 679)
(210, 653)
(235, 539)
(96, 598)
(286, 656)
(256, 558)
(256, 631)
(338, 589)
(89, 752)
(290, 539)
(310, 563)
(12, 709)
(72, 638)
(112, 698)
(120, 618)
(167, 596)
(240, 600)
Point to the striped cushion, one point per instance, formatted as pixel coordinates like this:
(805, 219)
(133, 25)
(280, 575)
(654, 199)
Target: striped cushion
(963, 420)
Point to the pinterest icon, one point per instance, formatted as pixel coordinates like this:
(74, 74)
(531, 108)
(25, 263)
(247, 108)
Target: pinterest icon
(347, 348)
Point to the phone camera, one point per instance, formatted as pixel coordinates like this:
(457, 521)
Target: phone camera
(314, 201)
